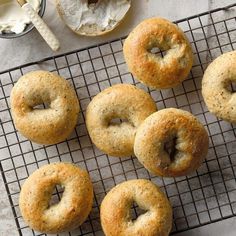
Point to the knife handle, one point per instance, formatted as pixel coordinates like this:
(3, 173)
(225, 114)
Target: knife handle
(42, 28)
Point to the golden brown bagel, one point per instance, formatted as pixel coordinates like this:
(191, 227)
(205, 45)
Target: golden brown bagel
(151, 69)
(44, 126)
(122, 101)
(171, 143)
(216, 87)
(74, 206)
(115, 210)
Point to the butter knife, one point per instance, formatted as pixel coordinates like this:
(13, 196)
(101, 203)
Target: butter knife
(40, 25)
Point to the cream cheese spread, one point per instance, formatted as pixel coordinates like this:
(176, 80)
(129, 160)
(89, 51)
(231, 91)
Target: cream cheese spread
(103, 15)
(12, 18)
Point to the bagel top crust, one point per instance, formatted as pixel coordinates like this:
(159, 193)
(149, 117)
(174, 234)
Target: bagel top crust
(171, 143)
(123, 101)
(216, 87)
(92, 19)
(74, 206)
(115, 210)
(44, 126)
(153, 70)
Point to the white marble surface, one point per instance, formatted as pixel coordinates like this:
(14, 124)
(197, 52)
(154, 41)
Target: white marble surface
(31, 47)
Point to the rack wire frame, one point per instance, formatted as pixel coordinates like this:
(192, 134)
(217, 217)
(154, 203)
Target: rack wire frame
(206, 196)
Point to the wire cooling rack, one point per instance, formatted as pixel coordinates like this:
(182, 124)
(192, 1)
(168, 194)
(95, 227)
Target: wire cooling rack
(206, 196)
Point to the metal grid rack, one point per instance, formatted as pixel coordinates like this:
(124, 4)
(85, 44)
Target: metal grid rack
(206, 196)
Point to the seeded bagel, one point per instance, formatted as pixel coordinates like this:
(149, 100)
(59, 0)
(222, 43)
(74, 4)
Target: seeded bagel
(220, 100)
(74, 206)
(122, 101)
(151, 69)
(171, 143)
(116, 206)
(44, 126)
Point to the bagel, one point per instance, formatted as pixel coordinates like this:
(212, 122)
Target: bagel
(115, 210)
(92, 17)
(74, 206)
(151, 69)
(44, 126)
(171, 143)
(216, 87)
(122, 101)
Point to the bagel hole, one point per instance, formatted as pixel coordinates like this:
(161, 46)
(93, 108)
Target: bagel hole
(136, 212)
(170, 148)
(157, 52)
(231, 87)
(56, 195)
(119, 121)
(42, 106)
(92, 1)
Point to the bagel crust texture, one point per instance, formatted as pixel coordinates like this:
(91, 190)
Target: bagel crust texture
(171, 143)
(216, 87)
(44, 126)
(153, 70)
(74, 206)
(115, 210)
(122, 101)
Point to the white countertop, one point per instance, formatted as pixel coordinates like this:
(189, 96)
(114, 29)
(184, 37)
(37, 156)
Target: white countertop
(31, 47)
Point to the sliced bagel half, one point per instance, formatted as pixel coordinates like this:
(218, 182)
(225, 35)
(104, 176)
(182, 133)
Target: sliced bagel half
(92, 17)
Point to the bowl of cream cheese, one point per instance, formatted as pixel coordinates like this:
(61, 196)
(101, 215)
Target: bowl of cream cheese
(13, 20)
